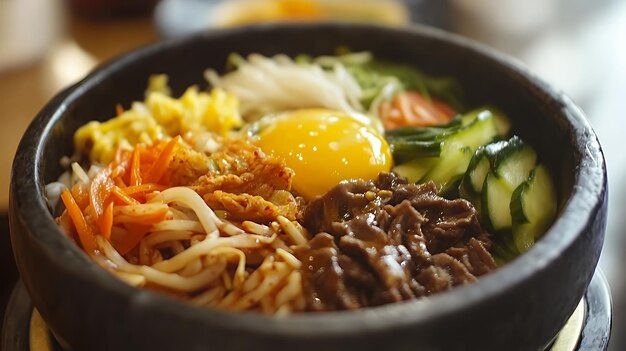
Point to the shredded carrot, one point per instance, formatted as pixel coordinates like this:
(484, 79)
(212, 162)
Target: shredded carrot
(149, 155)
(119, 182)
(160, 165)
(121, 163)
(125, 242)
(80, 193)
(135, 175)
(85, 233)
(119, 109)
(119, 156)
(146, 219)
(119, 170)
(147, 214)
(99, 191)
(106, 222)
(143, 188)
(411, 108)
(446, 109)
(119, 193)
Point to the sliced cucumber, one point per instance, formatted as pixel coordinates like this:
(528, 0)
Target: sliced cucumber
(472, 183)
(495, 201)
(514, 161)
(502, 123)
(423, 133)
(451, 164)
(509, 159)
(480, 132)
(458, 148)
(533, 208)
(511, 163)
(478, 174)
(414, 170)
(493, 149)
(471, 116)
(504, 249)
(442, 153)
(407, 150)
(451, 189)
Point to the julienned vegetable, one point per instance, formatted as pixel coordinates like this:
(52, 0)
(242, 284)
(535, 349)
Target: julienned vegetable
(399, 95)
(411, 108)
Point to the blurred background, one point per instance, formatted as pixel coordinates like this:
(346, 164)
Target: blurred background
(579, 46)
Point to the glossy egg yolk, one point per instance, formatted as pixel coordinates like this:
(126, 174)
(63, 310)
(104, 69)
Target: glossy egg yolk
(324, 147)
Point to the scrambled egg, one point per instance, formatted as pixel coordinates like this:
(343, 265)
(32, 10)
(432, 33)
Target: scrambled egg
(159, 117)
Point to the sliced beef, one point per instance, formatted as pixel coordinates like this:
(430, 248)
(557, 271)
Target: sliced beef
(385, 241)
(329, 285)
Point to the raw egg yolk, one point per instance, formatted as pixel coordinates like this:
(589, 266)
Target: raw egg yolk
(324, 147)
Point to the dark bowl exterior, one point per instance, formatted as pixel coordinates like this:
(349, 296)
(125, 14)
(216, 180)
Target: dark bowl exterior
(521, 306)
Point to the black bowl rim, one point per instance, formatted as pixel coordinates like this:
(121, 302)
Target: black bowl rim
(586, 199)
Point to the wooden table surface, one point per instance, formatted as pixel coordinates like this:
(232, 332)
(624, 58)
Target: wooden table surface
(25, 89)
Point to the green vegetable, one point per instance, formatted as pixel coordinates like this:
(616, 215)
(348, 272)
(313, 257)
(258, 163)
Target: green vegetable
(424, 133)
(533, 208)
(451, 166)
(449, 148)
(374, 76)
(472, 183)
(503, 248)
(414, 170)
(510, 162)
(502, 123)
(407, 150)
(513, 162)
(515, 196)
(495, 200)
